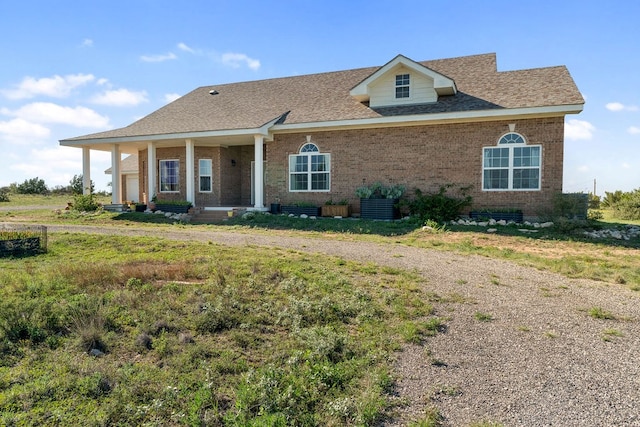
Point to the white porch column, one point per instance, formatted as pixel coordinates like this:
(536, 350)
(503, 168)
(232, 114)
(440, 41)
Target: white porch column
(151, 170)
(86, 170)
(190, 171)
(116, 178)
(259, 172)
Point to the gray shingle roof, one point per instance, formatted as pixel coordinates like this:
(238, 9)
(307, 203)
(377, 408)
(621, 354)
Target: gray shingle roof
(325, 97)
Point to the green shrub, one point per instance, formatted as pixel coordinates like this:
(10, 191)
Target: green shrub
(85, 203)
(439, 206)
(32, 186)
(628, 206)
(611, 199)
(4, 194)
(570, 205)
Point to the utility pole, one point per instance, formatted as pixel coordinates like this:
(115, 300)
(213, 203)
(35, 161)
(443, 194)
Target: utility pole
(594, 186)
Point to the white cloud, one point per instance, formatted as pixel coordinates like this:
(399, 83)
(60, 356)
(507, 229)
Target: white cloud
(235, 60)
(159, 58)
(56, 86)
(578, 129)
(120, 98)
(47, 112)
(634, 130)
(617, 106)
(583, 168)
(626, 165)
(170, 97)
(22, 132)
(87, 43)
(185, 48)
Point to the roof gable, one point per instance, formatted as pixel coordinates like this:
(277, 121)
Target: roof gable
(424, 84)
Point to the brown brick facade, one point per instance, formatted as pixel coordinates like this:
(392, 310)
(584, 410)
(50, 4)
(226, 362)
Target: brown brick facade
(423, 157)
(231, 174)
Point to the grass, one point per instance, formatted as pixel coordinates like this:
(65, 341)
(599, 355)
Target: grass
(611, 334)
(483, 317)
(199, 334)
(564, 250)
(600, 313)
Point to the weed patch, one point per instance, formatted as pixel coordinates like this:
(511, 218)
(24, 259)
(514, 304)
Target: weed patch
(219, 336)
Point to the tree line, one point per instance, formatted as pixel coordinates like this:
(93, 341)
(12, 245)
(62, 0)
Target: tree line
(38, 186)
(622, 204)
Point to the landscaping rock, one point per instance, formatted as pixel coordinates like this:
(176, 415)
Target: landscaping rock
(96, 353)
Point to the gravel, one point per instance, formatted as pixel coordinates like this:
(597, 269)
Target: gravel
(541, 360)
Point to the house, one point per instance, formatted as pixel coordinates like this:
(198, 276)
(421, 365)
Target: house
(317, 137)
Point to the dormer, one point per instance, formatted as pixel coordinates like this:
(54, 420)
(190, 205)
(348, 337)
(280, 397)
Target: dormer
(403, 82)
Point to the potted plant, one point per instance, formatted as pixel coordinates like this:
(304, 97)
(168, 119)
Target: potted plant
(379, 202)
(301, 208)
(333, 209)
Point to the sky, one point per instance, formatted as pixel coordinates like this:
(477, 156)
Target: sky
(71, 68)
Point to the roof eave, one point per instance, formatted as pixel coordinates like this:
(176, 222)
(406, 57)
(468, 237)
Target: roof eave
(434, 118)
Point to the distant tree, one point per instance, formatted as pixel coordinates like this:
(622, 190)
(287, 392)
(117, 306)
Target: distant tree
(4, 194)
(77, 185)
(594, 201)
(628, 206)
(32, 186)
(611, 199)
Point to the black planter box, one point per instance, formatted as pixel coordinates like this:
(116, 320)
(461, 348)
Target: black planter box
(20, 246)
(141, 208)
(299, 210)
(172, 208)
(498, 216)
(384, 209)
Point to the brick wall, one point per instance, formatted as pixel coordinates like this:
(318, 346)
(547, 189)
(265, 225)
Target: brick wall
(231, 174)
(423, 157)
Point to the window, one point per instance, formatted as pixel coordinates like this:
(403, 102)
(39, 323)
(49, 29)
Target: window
(169, 176)
(402, 86)
(205, 171)
(512, 165)
(309, 170)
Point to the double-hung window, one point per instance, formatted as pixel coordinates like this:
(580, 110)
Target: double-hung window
(309, 170)
(402, 86)
(205, 172)
(511, 165)
(169, 176)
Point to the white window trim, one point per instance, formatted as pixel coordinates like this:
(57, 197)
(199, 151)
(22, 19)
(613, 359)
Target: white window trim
(511, 167)
(160, 176)
(200, 175)
(309, 173)
(396, 86)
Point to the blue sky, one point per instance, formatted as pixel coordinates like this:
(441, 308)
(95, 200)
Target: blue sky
(70, 68)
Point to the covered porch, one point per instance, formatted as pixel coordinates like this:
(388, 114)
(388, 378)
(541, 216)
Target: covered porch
(212, 171)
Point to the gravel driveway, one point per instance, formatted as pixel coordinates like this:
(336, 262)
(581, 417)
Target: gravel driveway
(520, 347)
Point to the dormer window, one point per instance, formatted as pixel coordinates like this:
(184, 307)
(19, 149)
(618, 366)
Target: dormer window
(402, 86)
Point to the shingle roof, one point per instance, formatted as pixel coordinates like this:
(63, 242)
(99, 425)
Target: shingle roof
(325, 97)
